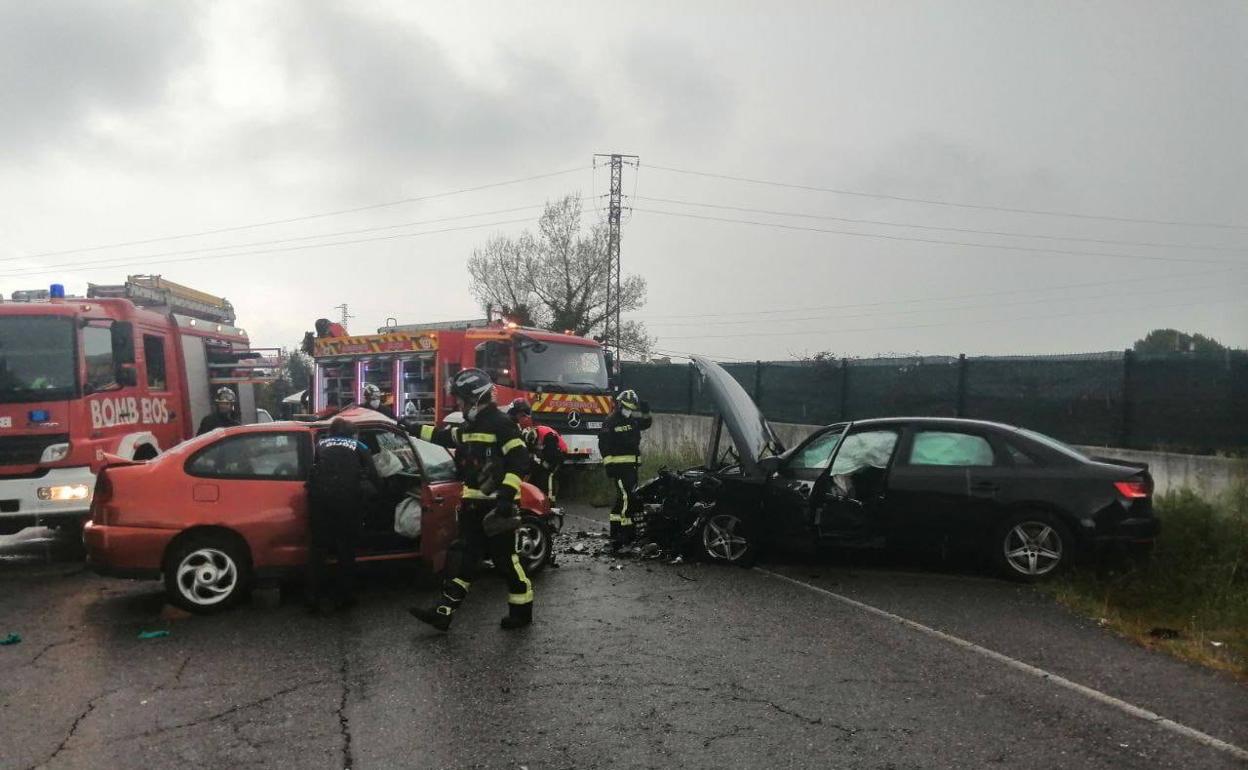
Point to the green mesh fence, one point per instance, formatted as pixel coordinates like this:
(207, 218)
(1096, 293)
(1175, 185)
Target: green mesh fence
(1181, 402)
(1077, 399)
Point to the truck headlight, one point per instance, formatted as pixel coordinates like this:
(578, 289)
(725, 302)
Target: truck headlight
(54, 453)
(64, 493)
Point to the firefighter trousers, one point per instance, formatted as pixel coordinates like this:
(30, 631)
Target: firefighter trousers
(544, 479)
(626, 507)
(468, 549)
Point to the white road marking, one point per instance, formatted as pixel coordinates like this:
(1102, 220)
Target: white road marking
(1018, 665)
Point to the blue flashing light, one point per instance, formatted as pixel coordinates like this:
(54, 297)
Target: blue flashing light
(57, 291)
(39, 415)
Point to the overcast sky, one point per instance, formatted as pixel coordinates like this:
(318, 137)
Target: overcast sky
(125, 122)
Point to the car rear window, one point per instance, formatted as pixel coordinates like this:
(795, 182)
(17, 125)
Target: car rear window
(249, 456)
(1054, 444)
(946, 448)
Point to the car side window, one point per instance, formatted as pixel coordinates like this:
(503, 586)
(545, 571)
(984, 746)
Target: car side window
(400, 448)
(250, 456)
(817, 454)
(869, 448)
(438, 463)
(933, 447)
(1020, 458)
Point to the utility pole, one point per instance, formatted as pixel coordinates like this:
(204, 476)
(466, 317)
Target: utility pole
(611, 329)
(345, 315)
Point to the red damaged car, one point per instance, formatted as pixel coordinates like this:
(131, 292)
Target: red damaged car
(214, 513)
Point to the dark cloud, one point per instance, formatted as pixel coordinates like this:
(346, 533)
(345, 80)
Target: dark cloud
(401, 107)
(61, 61)
(679, 95)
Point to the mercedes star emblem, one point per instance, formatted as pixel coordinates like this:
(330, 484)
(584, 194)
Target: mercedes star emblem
(574, 419)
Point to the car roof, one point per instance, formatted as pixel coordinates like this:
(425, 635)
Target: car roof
(949, 422)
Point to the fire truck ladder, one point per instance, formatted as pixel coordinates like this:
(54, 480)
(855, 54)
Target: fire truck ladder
(157, 293)
(253, 365)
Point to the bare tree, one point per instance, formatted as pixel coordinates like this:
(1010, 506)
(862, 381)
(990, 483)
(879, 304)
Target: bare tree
(558, 276)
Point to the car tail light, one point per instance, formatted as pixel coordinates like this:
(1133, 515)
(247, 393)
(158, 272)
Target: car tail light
(1133, 489)
(103, 494)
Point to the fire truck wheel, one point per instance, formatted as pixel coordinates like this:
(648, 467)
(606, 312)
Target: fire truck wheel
(534, 544)
(207, 572)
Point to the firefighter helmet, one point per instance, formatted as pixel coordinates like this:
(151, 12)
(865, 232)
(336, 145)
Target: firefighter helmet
(225, 396)
(628, 400)
(519, 407)
(473, 386)
(371, 393)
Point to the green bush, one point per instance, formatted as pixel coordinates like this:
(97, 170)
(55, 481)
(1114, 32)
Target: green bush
(1195, 583)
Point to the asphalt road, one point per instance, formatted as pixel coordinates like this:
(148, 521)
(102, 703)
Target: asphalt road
(652, 665)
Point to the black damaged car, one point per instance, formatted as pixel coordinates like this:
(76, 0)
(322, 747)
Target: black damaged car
(1026, 501)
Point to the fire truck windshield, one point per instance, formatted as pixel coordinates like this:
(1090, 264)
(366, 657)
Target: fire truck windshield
(36, 359)
(551, 365)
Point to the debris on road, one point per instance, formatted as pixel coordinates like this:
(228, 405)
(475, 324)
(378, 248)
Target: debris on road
(1216, 644)
(153, 634)
(686, 577)
(617, 567)
(10, 639)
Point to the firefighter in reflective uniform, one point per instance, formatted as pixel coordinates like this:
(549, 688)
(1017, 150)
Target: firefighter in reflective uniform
(546, 448)
(372, 400)
(619, 442)
(493, 459)
(222, 412)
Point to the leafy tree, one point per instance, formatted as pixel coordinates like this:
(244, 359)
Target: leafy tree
(1175, 341)
(557, 277)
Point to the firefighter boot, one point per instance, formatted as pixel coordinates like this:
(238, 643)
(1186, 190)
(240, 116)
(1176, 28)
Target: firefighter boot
(438, 616)
(518, 616)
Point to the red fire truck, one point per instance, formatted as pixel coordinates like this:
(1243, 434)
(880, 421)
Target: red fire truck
(563, 376)
(128, 370)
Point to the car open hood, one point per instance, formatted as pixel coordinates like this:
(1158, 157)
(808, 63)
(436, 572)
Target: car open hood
(751, 434)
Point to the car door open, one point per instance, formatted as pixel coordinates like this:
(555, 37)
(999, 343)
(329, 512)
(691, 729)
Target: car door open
(847, 498)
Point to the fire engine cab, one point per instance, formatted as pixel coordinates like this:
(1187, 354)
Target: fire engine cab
(564, 377)
(129, 370)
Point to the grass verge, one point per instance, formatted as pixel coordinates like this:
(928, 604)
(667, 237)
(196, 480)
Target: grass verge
(1191, 598)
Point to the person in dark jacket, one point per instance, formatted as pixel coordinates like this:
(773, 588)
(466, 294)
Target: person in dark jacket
(223, 414)
(547, 448)
(619, 442)
(341, 473)
(492, 459)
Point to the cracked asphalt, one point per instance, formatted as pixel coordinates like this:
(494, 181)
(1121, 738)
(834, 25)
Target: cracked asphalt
(654, 665)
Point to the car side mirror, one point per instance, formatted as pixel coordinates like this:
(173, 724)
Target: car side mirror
(769, 465)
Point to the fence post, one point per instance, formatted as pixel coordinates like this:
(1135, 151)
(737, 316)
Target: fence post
(1128, 371)
(961, 406)
(844, 389)
(689, 388)
(758, 384)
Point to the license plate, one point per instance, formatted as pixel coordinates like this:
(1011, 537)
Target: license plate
(594, 425)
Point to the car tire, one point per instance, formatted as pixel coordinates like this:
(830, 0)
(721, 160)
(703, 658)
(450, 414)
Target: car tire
(1031, 547)
(724, 538)
(534, 544)
(207, 572)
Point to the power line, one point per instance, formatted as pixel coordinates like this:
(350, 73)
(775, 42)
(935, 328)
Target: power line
(1046, 317)
(993, 293)
(881, 236)
(125, 263)
(306, 217)
(934, 202)
(287, 240)
(1011, 234)
(990, 305)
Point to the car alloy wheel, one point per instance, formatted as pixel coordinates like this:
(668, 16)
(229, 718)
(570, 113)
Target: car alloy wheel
(207, 576)
(722, 539)
(533, 544)
(1033, 548)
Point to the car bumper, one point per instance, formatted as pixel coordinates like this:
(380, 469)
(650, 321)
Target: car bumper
(130, 552)
(582, 449)
(20, 503)
(1131, 531)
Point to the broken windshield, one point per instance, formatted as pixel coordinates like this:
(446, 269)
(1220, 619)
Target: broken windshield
(36, 359)
(561, 366)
